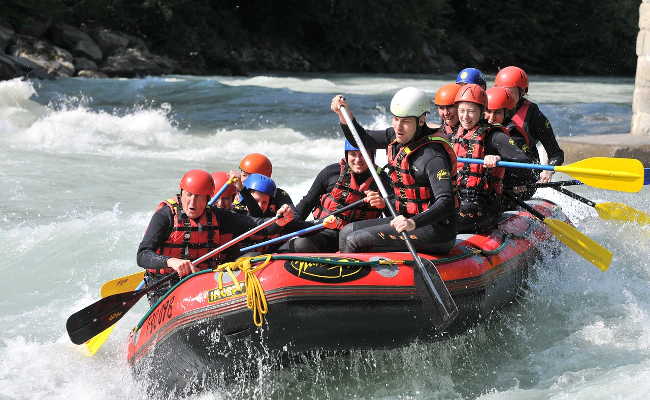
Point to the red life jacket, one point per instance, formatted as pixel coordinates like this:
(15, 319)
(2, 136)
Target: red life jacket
(411, 197)
(448, 131)
(471, 144)
(519, 121)
(191, 239)
(346, 191)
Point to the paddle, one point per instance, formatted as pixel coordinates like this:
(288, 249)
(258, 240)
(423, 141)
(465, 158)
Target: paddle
(302, 231)
(573, 238)
(646, 178)
(119, 285)
(97, 317)
(223, 189)
(611, 210)
(622, 174)
(446, 308)
(122, 284)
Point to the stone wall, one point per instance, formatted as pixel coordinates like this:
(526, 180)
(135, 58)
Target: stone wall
(641, 100)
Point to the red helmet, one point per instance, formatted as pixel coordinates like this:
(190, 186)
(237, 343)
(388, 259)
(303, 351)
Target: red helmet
(512, 77)
(446, 94)
(256, 163)
(220, 178)
(500, 97)
(472, 93)
(197, 181)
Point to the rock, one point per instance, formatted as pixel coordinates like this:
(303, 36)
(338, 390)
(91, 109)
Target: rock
(82, 63)
(56, 61)
(137, 62)
(75, 40)
(35, 25)
(110, 41)
(6, 37)
(9, 69)
(85, 73)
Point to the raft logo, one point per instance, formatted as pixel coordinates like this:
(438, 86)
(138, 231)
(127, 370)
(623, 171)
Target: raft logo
(442, 174)
(223, 293)
(318, 271)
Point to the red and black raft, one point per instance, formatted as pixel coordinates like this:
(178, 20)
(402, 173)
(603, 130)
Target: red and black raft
(327, 301)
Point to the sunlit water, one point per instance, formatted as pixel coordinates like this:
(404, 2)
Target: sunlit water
(83, 163)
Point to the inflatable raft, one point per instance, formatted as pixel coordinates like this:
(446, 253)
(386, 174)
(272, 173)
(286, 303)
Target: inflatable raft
(292, 303)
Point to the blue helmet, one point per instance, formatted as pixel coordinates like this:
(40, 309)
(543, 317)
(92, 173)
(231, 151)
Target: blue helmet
(471, 75)
(260, 183)
(349, 146)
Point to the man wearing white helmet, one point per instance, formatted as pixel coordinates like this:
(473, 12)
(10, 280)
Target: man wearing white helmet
(421, 166)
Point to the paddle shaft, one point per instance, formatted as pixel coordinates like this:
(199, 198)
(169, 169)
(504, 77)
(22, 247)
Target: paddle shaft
(575, 196)
(526, 206)
(302, 231)
(558, 183)
(220, 192)
(92, 320)
(447, 307)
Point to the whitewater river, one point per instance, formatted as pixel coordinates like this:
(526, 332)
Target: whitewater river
(83, 163)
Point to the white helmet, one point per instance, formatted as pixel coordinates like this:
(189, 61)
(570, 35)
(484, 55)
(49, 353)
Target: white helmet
(409, 102)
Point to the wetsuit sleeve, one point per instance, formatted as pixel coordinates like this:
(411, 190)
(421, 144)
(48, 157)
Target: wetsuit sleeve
(317, 189)
(498, 143)
(159, 229)
(248, 200)
(282, 197)
(372, 140)
(442, 205)
(541, 129)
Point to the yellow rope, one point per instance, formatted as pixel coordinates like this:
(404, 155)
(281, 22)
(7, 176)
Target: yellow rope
(255, 298)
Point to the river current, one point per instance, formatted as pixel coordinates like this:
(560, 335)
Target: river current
(83, 163)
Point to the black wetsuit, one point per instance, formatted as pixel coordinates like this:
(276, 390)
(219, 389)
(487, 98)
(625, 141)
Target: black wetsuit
(160, 227)
(480, 211)
(435, 230)
(539, 130)
(324, 240)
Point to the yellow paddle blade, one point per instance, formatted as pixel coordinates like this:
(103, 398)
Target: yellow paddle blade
(580, 243)
(622, 212)
(122, 284)
(96, 342)
(622, 174)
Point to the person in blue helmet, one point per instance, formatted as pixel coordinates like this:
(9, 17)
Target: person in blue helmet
(471, 75)
(336, 186)
(256, 193)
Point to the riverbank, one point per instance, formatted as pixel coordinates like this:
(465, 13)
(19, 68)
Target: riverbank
(613, 145)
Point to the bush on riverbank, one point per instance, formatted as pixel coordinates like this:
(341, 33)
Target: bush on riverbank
(553, 36)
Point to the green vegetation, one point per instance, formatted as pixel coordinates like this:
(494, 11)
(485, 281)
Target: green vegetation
(549, 36)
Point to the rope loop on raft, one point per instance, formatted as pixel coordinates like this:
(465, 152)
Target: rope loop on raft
(255, 298)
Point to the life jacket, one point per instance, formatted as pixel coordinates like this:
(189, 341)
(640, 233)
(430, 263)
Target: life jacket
(411, 197)
(448, 131)
(476, 179)
(519, 122)
(191, 239)
(346, 191)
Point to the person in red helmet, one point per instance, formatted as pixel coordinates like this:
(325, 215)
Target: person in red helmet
(184, 228)
(445, 103)
(531, 124)
(480, 185)
(256, 163)
(500, 105)
(221, 178)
